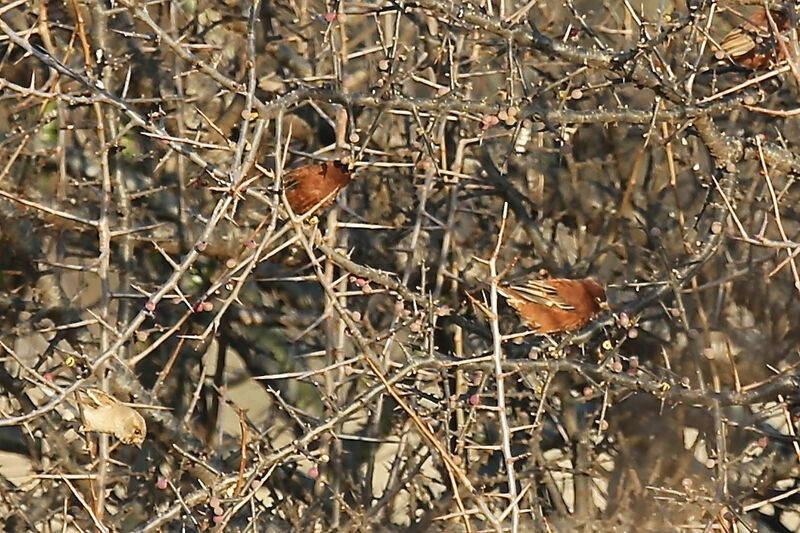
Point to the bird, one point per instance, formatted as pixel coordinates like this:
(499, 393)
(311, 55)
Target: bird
(315, 185)
(753, 44)
(556, 305)
(103, 413)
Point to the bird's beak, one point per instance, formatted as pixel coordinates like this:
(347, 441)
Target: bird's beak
(604, 306)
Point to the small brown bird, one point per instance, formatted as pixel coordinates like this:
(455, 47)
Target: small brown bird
(753, 44)
(315, 185)
(105, 414)
(556, 305)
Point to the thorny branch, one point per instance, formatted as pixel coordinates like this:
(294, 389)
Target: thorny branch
(150, 252)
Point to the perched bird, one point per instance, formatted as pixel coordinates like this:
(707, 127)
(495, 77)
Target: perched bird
(314, 184)
(753, 44)
(105, 414)
(556, 305)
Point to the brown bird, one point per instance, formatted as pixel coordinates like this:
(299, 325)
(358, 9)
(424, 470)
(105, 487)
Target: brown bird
(753, 44)
(556, 305)
(315, 185)
(105, 414)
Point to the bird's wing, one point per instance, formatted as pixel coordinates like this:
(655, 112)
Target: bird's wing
(738, 42)
(541, 293)
(290, 181)
(95, 398)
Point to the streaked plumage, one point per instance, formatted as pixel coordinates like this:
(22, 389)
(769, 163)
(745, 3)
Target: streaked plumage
(752, 44)
(556, 305)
